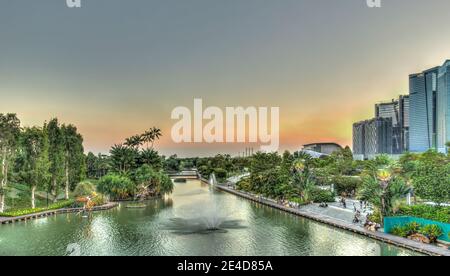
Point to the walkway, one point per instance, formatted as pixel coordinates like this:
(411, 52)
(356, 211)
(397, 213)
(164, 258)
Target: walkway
(7, 220)
(380, 236)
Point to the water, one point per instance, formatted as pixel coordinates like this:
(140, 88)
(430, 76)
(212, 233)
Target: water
(193, 221)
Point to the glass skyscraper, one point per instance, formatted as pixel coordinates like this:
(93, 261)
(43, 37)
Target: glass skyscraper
(372, 137)
(429, 109)
(398, 112)
(443, 107)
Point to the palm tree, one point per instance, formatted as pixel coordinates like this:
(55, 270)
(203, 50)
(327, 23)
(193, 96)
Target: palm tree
(383, 191)
(134, 141)
(302, 178)
(151, 135)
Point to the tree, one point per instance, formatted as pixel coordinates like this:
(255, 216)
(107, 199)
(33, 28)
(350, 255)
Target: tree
(116, 186)
(342, 162)
(151, 158)
(134, 142)
(150, 136)
(72, 143)
(56, 156)
(303, 179)
(153, 182)
(9, 134)
(166, 184)
(91, 165)
(172, 164)
(84, 188)
(36, 165)
(383, 191)
(431, 181)
(123, 159)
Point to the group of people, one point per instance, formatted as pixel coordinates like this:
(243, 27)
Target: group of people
(288, 203)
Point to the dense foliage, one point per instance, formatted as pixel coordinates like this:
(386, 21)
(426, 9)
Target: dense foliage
(441, 214)
(48, 158)
(134, 171)
(23, 212)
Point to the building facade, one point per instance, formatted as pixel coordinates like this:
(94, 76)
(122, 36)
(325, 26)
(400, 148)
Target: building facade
(429, 109)
(398, 111)
(372, 137)
(324, 148)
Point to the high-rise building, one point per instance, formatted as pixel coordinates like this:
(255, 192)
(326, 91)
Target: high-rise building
(372, 137)
(430, 109)
(443, 107)
(359, 139)
(404, 121)
(398, 111)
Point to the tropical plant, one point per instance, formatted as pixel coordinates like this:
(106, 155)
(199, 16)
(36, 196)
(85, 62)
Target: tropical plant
(116, 186)
(84, 188)
(436, 213)
(431, 179)
(303, 179)
(150, 136)
(318, 195)
(383, 192)
(151, 158)
(400, 231)
(123, 159)
(432, 232)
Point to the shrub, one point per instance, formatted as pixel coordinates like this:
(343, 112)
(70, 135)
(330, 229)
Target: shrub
(220, 173)
(319, 195)
(84, 188)
(375, 216)
(412, 228)
(99, 200)
(400, 231)
(244, 185)
(432, 231)
(346, 184)
(29, 211)
(436, 213)
(116, 186)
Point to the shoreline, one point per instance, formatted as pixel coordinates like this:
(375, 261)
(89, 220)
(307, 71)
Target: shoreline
(9, 220)
(426, 249)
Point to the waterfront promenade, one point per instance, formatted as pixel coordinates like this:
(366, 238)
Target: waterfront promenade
(380, 236)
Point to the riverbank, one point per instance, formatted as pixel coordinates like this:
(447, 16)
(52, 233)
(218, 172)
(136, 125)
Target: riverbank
(380, 236)
(8, 220)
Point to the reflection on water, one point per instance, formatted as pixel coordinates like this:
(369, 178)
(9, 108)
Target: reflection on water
(192, 221)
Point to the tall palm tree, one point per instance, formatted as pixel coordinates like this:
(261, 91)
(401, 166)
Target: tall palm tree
(383, 191)
(151, 135)
(134, 141)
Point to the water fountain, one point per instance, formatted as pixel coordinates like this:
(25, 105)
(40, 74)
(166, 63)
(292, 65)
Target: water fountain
(212, 180)
(204, 216)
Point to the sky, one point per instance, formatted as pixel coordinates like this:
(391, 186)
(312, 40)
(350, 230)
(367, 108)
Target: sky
(115, 68)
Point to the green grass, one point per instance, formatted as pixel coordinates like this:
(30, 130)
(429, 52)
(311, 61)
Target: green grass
(28, 211)
(19, 197)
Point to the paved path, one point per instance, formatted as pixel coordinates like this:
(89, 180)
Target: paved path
(384, 237)
(7, 220)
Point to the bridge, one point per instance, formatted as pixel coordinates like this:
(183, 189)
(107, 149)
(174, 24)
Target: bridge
(186, 174)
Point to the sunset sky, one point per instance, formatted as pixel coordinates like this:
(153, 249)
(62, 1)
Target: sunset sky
(115, 68)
